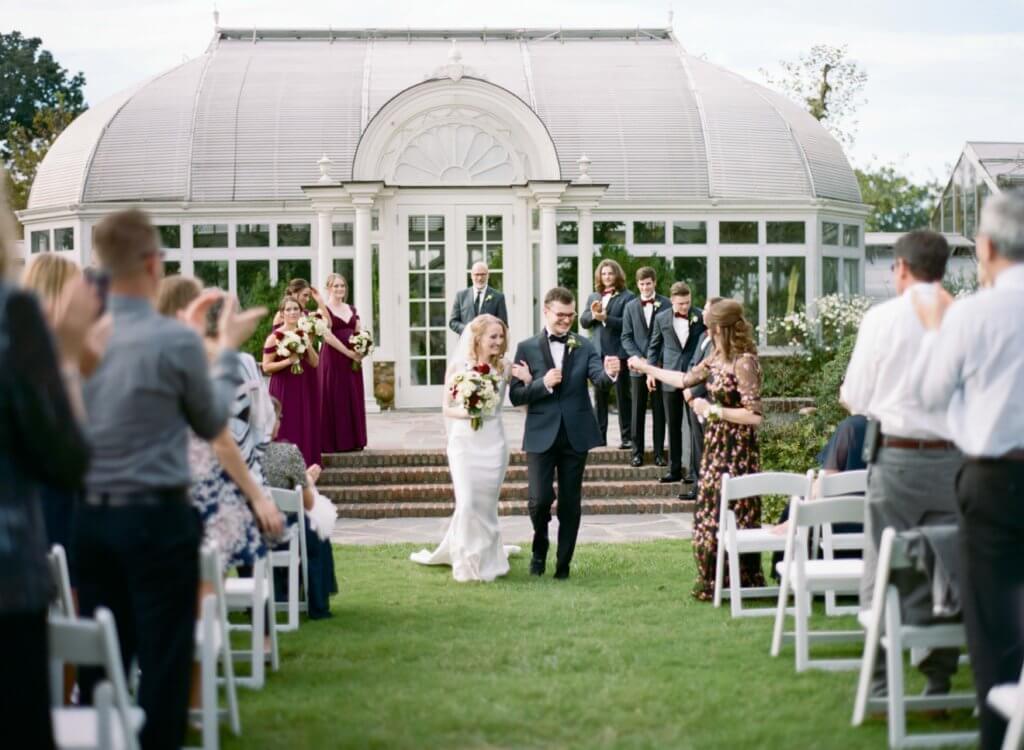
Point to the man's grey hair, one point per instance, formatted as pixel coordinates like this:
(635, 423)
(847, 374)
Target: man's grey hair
(1002, 221)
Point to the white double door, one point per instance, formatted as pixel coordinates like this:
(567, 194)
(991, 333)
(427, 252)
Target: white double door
(437, 247)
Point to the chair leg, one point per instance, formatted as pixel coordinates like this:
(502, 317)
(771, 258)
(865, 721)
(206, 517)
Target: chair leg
(801, 600)
(211, 729)
(275, 662)
(780, 610)
(259, 612)
(720, 568)
(293, 586)
(735, 590)
(894, 670)
(867, 667)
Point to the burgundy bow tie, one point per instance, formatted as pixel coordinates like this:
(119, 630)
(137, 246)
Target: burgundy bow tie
(647, 301)
(610, 290)
(680, 315)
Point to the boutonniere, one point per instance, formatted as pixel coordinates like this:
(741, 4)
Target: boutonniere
(693, 319)
(572, 343)
(488, 298)
(657, 304)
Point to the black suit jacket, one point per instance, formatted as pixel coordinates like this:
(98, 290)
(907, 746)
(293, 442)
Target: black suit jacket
(636, 334)
(665, 349)
(610, 333)
(463, 310)
(570, 401)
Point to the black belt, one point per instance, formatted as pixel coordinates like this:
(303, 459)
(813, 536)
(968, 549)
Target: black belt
(140, 499)
(915, 444)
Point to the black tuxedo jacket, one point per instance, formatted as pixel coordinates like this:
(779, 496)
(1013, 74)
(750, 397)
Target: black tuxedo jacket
(636, 334)
(666, 350)
(610, 333)
(463, 310)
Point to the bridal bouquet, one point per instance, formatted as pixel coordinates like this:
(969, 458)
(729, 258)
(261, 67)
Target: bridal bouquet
(314, 326)
(476, 391)
(289, 343)
(361, 342)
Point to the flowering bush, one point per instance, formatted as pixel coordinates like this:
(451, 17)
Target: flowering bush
(836, 317)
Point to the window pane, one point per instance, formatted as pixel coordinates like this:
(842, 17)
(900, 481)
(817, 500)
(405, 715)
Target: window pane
(210, 235)
(737, 232)
(851, 235)
(694, 271)
(172, 267)
(375, 277)
(786, 289)
(830, 275)
(738, 277)
(375, 220)
(609, 233)
(568, 277)
(535, 219)
(786, 232)
(294, 269)
(293, 235)
(418, 372)
(649, 232)
(251, 276)
(170, 236)
(345, 266)
(568, 233)
(342, 234)
(495, 227)
(64, 238)
(690, 232)
(41, 241)
(212, 273)
(947, 211)
(851, 276)
(435, 228)
(474, 228)
(829, 233)
(252, 235)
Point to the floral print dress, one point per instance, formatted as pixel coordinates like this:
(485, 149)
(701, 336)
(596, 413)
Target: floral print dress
(732, 448)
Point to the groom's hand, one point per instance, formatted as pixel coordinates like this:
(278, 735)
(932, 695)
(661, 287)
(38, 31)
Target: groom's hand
(611, 366)
(552, 378)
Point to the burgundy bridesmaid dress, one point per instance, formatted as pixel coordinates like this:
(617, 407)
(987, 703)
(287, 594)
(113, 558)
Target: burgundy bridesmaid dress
(300, 407)
(341, 388)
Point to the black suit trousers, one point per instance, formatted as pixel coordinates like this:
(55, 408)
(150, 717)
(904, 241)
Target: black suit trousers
(625, 403)
(541, 469)
(640, 396)
(685, 435)
(142, 563)
(991, 502)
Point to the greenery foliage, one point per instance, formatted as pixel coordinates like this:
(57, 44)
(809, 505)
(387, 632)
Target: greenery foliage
(632, 263)
(897, 204)
(260, 292)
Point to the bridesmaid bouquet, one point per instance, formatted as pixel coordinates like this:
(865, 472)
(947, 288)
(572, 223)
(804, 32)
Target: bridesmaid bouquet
(314, 326)
(476, 391)
(289, 343)
(361, 342)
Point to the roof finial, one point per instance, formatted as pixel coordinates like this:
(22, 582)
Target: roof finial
(671, 16)
(216, 18)
(325, 163)
(454, 53)
(584, 164)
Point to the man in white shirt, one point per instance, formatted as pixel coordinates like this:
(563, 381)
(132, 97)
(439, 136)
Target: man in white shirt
(971, 367)
(911, 476)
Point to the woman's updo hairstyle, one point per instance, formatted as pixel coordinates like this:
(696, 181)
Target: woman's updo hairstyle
(736, 335)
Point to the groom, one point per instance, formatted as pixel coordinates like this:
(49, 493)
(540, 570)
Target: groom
(560, 423)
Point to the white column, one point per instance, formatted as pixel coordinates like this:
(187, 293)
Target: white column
(585, 261)
(548, 248)
(363, 290)
(324, 239)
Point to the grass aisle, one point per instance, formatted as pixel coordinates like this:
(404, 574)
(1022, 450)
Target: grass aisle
(618, 657)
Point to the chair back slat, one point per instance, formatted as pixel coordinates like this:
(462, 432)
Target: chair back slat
(77, 641)
(829, 510)
(766, 483)
(63, 604)
(842, 483)
(287, 501)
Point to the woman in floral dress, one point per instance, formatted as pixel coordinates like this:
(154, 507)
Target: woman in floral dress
(731, 414)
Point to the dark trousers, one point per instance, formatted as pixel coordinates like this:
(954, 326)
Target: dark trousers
(625, 401)
(685, 435)
(24, 690)
(541, 469)
(639, 396)
(142, 563)
(693, 436)
(990, 495)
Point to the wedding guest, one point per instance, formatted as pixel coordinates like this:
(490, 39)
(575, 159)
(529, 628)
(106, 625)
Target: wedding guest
(41, 443)
(291, 385)
(137, 535)
(693, 428)
(302, 291)
(603, 312)
(639, 317)
(970, 368)
(731, 415)
(477, 300)
(175, 294)
(912, 475)
(341, 379)
(285, 468)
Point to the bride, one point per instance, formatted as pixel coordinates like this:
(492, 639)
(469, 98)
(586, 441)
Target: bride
(477, 460)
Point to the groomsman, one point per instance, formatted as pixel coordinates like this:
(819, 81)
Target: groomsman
(637, 320)
(477, 300)
(674, 340)
(603, 314)
(704, 351)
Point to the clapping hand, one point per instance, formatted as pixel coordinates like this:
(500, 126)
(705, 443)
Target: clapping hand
(597, 311)
(313, 473)
(235, 327)
(611, 366)
(521, 372)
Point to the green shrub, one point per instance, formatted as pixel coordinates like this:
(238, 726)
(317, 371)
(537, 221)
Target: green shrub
(260, 292)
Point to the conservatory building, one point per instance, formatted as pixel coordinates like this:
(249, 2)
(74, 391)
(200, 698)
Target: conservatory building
(400, 157)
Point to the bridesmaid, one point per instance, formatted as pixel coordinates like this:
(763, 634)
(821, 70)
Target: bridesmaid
(299, 393)
(341, 386)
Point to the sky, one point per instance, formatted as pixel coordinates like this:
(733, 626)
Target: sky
(940, 72)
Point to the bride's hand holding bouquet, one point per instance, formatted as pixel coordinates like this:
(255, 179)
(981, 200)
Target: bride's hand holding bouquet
(476, 391)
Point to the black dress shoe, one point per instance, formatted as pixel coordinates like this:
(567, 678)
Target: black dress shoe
(689, 479)
(690, 495)
(625, 445)
(536, 567)
(636, 461)
(669, 478)
(660, 461)
(562, 573)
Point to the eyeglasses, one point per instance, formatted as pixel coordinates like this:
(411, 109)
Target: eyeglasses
(563, 316)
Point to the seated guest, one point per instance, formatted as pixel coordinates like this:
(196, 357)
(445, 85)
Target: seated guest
(285, 468)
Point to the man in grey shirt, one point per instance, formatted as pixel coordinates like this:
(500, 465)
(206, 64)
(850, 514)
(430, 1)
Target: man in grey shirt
(137, 536)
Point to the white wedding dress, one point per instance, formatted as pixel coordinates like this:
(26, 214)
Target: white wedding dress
(477, 460)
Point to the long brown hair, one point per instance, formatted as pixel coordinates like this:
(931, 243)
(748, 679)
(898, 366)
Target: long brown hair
(734, 333)
(620, 275)
(478, 328)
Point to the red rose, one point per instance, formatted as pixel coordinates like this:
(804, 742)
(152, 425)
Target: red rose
(483, 369)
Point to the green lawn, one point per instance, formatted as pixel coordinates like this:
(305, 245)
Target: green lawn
(619, 656)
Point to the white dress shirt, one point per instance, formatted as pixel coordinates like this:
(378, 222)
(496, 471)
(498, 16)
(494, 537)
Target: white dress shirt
(604, 304)
(648, 309)
(682, 328)
(557, 350)
(878, 383)
(972, 368)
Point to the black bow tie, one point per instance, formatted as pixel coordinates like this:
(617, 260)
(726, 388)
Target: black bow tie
(559, 339)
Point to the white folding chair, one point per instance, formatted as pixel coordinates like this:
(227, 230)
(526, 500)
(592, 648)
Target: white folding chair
(734, 541)
(1008, 702)
(804, 578)
(113, 722)
(885, 627)
(842, 484)
(294, 558)
(257, 595)
(63, 603)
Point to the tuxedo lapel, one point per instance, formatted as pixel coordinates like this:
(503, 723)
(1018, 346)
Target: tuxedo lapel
(670, 325)
(545, 350)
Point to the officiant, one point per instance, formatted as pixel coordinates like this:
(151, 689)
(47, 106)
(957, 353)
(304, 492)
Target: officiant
(477, 299)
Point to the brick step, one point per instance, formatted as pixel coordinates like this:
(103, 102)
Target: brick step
(340, 478)
(511, 508)
(408, 457)
(399, 493)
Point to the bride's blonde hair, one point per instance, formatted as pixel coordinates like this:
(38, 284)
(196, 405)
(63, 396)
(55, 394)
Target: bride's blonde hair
(478, 327)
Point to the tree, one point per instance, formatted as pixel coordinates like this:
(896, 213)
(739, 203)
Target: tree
(30, 79)
(828, 84)
(898, 205)
(28, 145)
